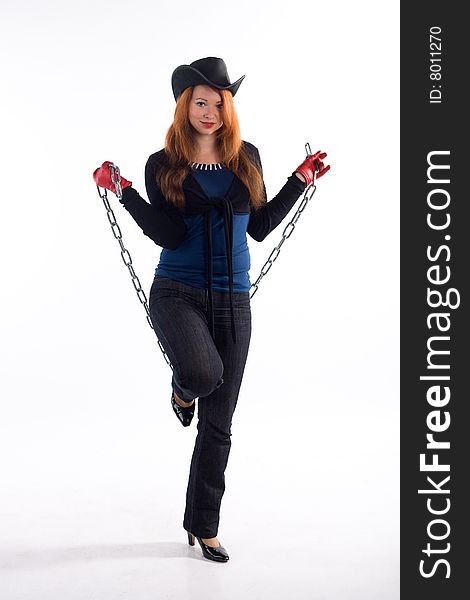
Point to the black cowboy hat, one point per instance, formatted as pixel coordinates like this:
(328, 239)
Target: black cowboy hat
(207, 71)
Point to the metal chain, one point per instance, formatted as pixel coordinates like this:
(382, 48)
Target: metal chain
(125, 254)
(309, 191)
(126, 257)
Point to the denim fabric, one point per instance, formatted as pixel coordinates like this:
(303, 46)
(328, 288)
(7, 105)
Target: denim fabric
(207, 369)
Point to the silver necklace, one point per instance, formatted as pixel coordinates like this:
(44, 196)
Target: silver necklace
(206, 166)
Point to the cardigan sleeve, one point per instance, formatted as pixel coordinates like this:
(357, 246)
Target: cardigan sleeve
(159, 220)
(269, 216)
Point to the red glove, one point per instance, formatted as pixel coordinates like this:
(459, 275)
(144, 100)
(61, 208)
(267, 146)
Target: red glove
(102, 177)
(313, 164)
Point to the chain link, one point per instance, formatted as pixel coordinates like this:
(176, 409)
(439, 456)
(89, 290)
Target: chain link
(126, 257)
(125, 254)
(289, 229)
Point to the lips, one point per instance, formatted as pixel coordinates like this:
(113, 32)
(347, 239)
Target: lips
(207, 124)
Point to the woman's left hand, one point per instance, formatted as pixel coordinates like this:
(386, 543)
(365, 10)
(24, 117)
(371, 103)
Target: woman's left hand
(313, 167)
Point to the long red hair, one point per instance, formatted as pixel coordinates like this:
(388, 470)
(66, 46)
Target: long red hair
(181, 146)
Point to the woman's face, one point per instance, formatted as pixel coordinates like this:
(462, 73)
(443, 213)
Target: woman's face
(205, 107)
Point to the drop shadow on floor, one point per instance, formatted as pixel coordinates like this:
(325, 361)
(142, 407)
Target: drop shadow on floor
(46, 557)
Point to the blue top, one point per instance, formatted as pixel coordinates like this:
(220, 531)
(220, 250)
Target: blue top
(187, 262)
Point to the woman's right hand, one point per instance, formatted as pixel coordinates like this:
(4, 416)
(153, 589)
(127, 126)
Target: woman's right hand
(102, 177)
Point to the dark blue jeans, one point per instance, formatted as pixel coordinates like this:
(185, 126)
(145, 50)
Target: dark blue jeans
(211, 370)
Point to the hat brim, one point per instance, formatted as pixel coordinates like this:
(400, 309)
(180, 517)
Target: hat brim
(186, 76)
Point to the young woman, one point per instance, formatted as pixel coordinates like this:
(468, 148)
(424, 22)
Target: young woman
(206, 192)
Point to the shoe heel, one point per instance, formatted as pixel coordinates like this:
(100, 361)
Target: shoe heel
(190, 538)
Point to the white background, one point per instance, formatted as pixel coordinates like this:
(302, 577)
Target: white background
(93, 462)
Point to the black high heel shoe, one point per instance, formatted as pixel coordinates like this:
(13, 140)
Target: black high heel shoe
(218, 554)
(184, 413)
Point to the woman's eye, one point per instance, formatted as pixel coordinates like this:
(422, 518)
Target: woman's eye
(201, 102)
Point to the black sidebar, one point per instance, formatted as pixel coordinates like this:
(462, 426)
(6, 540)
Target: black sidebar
(435, 317)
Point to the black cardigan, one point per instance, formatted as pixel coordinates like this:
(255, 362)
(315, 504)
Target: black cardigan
(163, 223)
